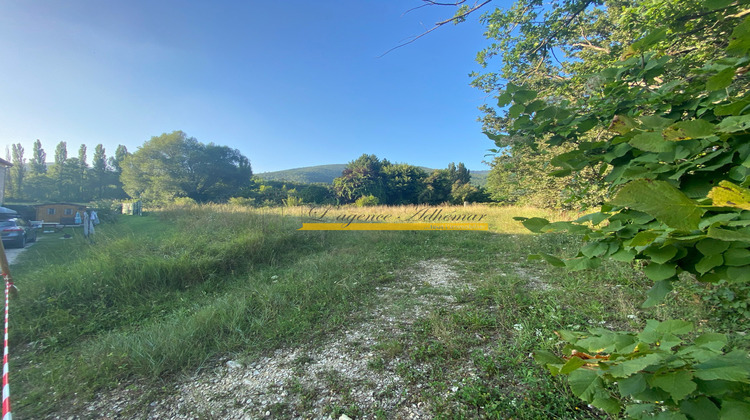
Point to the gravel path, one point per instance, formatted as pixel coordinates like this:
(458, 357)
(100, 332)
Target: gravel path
(340, 374)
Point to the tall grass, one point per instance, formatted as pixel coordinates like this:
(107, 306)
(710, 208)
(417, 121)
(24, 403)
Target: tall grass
(171, 291)
(166, 292)
(499, 218)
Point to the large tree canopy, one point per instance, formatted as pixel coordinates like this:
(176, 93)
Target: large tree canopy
(174, 165)
(559, 52)
(652, 99)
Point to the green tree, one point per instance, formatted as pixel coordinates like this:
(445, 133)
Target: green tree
(361, 177)
(38, 164)
(216, 173)
(174, 165)
(61, 156)
(17, 171)
(98, 175)
(463, 176)
(120, 154)
(82, 175)
(403, 183)
(441, 184)
(39, 186)
(654, 98)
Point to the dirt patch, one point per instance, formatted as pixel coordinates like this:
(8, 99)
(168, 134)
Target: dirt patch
(341, 374)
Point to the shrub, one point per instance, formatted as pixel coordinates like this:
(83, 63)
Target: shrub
(367, 201)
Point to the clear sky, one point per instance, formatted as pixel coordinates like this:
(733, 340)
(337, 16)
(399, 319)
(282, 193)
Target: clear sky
(289, 83)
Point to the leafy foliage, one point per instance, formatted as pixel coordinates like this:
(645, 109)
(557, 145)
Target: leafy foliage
(654, 99)
(658, 367)
(396, 184)
(175, 165)
(70, 179)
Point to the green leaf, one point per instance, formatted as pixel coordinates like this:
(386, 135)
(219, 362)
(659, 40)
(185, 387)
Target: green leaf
(504, 99)
(624, 255)
(736, 257)
(738, 274)
(607, 403)
(633, 384)
(734, 124)
(739, 41)
(572, 364)
(535, 224)
(629, 367)
(516, 110)
(544, 357)
(657, 293)
(734, 366)
(721, 80)
(650, 39)
(700, 408)
(659, 272)
(732, 108)
(708, 262)
(675, 326)
(604, 343)
(660, 255)
(523, 96)
(713, 341)
(669, 415)
(678, 384)
(662, 201)
(582, 263)
(727, 235)
(686, 130)
(651, 142)
(654, 122)
(639, 411)
(594, 218)
(643, 238)
(717, 4)
(594, 249)
(711, 246)
(585, 383)
(734, 410)
(621, 124)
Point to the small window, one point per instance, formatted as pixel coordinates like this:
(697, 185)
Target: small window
(50, 211)
(68, 212)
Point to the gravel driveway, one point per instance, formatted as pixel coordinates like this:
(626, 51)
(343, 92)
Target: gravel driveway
(12, 253)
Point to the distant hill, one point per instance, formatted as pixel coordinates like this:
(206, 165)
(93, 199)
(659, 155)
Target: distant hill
(326, 173)
(479, 178)
(308, 175)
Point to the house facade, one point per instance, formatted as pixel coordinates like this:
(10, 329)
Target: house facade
(4, 166)
(63, 213)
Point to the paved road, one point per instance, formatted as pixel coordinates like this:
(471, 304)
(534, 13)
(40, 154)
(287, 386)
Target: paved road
(12, 253)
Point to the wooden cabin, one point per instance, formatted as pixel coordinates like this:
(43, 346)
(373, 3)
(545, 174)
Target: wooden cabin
(62, 213)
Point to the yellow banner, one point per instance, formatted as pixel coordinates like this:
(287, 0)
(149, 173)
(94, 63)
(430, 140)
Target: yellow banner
(394, 226)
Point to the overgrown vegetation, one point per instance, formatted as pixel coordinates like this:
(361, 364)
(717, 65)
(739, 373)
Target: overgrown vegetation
(67, 179)
(655, 111)
(179, 288)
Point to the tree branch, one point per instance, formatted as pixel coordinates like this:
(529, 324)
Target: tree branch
(455, 18)
(590, 45)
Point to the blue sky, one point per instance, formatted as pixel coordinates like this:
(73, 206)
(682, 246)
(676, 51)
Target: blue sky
(290, 83)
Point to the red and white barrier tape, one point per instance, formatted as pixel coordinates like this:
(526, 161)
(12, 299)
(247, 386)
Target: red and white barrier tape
(6, 387)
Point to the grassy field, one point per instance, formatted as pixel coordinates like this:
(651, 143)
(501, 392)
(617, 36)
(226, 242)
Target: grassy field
(168, 294)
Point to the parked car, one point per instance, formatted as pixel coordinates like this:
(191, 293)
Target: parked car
(17, 231)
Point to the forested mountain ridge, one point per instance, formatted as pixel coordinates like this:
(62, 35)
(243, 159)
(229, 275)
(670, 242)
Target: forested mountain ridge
(327, 173)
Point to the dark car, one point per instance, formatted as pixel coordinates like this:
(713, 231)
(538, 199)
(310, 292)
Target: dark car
(17, 231)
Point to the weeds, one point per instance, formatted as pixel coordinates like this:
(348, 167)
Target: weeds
(172, 291)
